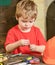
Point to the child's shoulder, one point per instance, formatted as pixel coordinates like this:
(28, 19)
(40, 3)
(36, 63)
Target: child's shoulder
(35, 28)
(51, 40)
(13, 28)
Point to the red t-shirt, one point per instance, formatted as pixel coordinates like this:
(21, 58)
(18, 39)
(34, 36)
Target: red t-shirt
(35, 37)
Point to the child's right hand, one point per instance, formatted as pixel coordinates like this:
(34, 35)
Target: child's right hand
(24, 42)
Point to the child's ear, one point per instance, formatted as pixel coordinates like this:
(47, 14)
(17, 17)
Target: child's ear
(16, 17)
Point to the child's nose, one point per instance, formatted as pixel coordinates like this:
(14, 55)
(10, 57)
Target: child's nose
(26, 24)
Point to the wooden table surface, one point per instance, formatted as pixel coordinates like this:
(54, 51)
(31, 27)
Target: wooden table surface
(12, 60)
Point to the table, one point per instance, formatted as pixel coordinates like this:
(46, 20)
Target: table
(16, 59)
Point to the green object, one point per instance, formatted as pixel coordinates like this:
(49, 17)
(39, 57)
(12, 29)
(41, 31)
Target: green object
(1, 56)
(29, 58)
(5, 2)
(1, 63)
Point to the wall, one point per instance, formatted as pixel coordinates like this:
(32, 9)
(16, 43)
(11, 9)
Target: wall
(47, 3)
(41, 18)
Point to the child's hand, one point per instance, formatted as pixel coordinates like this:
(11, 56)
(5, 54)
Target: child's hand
(23, 42)
(33, 47)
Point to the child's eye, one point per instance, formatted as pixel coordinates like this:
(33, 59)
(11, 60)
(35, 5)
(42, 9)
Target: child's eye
(23, 21)
(30, 21)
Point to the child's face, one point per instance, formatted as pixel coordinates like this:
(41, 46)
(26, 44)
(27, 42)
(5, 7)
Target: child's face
(25, 23)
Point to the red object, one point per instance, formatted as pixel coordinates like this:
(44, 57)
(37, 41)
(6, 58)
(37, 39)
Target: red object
(35, 37)
(35, 61)
(49, 53)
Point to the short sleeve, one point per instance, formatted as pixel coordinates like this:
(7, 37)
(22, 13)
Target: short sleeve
(40, 38)
(10, 38)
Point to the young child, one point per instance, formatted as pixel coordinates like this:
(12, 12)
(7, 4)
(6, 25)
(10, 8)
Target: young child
(49, 52)
(25, 38)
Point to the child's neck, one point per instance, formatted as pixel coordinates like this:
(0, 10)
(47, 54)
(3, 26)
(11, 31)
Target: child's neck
(24, 30)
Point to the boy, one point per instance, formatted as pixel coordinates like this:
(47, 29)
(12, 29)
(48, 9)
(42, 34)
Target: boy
(25, 38)
(49, 53)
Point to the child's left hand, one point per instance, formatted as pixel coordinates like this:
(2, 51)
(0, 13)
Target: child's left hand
(33, 47)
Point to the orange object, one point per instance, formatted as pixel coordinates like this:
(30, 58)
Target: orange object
(49, 53)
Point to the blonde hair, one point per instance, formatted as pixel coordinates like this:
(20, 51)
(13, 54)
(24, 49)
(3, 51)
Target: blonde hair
(26, 8)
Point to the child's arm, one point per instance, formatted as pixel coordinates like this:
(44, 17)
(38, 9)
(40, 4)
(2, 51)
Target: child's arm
(37, 48)
(22, 42)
